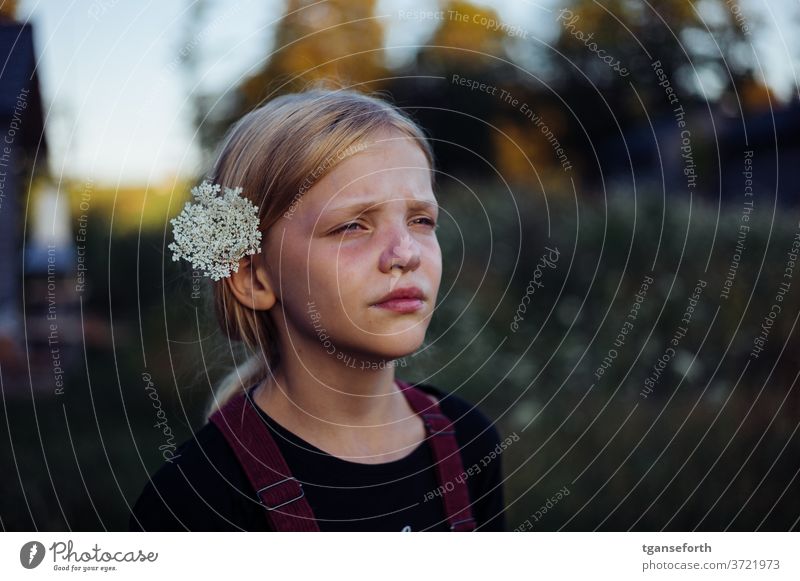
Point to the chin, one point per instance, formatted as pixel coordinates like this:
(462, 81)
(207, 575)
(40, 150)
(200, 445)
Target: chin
(395, 346)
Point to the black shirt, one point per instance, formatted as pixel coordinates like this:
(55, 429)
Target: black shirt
(206, 489)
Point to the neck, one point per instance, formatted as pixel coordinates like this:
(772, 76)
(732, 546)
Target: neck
(333, 392)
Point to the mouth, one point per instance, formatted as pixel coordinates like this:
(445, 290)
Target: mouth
(402, 300)
(401, 305)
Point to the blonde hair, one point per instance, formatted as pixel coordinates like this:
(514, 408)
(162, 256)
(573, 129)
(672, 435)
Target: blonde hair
(276, 153)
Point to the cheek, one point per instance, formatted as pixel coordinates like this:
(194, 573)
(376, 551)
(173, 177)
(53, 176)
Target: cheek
(336, 277)
(340, 264)
(432, 259)
(294, 270)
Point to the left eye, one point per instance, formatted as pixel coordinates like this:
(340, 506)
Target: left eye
(427, 221)
(346, 228)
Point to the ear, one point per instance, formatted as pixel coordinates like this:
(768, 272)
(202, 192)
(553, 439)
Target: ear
(251, 285)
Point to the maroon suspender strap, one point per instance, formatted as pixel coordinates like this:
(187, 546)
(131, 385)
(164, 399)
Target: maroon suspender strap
(282, 495)
(446, 454)
(278, 491)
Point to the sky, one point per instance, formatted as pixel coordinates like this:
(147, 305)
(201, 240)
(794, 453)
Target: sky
(116, 103)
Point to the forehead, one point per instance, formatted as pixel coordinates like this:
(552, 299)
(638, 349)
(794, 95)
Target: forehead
(388, 166)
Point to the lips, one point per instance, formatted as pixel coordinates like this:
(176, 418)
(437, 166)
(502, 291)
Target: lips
(402, 300)
(400, 294)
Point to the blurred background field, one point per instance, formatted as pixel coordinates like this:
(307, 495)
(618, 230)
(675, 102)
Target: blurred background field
(713, 446)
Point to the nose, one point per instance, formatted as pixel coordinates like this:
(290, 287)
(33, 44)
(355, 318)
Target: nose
(401, 251)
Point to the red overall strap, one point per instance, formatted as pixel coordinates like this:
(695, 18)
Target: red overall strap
(441, 437)
(281, 494)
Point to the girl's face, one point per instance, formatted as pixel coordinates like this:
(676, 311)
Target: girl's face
(367, 228)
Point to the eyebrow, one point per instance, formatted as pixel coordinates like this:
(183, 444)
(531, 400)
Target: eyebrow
(368, 207)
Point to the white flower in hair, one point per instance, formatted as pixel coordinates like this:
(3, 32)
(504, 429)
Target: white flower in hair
(217, 231)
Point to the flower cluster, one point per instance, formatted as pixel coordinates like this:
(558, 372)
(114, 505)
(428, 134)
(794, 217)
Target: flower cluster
(217, 231)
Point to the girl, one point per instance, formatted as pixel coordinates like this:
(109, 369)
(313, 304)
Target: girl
(314, 432)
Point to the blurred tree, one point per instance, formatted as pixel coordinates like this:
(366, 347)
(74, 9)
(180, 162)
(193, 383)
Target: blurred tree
(702, 45)
(608, 55)
(8, 10)
(461, 43)
(462, 120)
(594, 87)
(337, 40)
(754, 95)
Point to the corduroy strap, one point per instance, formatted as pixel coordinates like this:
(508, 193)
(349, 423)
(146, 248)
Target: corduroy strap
(442, 439)
(282, 495)
(279, 492)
